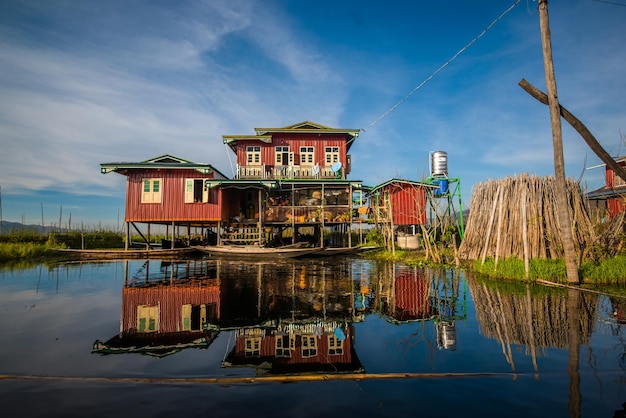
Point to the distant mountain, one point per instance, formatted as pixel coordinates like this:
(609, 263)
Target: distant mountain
(16, 227)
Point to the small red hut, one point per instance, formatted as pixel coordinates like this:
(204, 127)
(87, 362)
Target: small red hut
(170, 191)
(403, 202)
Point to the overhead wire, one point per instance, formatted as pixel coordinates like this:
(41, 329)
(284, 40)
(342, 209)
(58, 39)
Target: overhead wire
(610, 2)
(445, 64)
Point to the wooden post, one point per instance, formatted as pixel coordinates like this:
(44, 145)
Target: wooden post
(219, 232)
(173, 236)
(293, 214)
(260, 224)
(557, 143)
(127, 236)
(322, 220)
(350, 217)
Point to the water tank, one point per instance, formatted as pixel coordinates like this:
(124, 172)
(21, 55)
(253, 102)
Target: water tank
(442, 188)
(439, 164)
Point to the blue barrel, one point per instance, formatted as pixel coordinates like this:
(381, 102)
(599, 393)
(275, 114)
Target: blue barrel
(442, 188)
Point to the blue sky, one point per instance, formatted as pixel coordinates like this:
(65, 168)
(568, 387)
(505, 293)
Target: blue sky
(86, 82)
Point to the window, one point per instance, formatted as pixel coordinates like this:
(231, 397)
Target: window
(151, 192)
(195, 191)
(309, 346)
(284, 345)
(253, 347)
(253, 155)
(193, 317)
(307, 155)
(335, 346)
(147, 318)
(283, 156)
(332, 155)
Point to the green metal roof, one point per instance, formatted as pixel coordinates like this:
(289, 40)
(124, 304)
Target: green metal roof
(162, 162)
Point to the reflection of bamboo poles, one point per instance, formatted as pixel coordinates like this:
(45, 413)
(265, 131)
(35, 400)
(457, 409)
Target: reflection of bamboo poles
(498, 313)
(529, 317)
(494, 319)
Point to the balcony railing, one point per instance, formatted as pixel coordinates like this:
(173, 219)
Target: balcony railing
(278, 172)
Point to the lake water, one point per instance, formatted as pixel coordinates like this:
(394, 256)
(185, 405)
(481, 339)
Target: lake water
(302, 338)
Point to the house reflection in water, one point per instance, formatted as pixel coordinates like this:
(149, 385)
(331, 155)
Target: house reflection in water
(164, 313)
(286, 317)
(314, 346)
(303, 321)
(415, 294)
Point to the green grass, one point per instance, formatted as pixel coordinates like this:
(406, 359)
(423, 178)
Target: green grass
(610, 271)
(27, 250)
(87, 240)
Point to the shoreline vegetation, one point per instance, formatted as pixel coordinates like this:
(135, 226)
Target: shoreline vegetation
(27, 248)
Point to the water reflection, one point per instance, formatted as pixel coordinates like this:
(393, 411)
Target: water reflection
(285, 317)
(163, 313)
(379, 333)
(532, 316)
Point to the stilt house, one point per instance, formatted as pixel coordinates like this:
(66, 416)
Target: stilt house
(169, 191)
(291, 186)
(612, 197)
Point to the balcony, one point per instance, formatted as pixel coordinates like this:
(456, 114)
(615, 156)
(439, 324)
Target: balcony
(282, 172)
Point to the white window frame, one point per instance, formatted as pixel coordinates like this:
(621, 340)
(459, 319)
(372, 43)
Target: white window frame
(278, 156)
(252, 347)
(307, 155)
(253, 155)
(196, 191)
(284, 345)
(152, 193)
(335, 345)
(309, 346)
(331, 155)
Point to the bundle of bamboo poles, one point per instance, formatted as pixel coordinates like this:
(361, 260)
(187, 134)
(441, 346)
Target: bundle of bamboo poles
(517, 217)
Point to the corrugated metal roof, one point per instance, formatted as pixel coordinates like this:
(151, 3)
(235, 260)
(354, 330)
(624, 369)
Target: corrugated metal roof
(164, 162)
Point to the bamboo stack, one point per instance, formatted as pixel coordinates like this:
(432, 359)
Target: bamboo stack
(517, 217)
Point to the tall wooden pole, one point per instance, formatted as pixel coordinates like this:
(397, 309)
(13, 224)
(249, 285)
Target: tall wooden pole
(557, 141)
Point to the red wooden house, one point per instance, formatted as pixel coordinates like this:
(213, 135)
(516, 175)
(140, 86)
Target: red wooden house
(612, 197)
(170, 191)
(289, 179)
(402, 202)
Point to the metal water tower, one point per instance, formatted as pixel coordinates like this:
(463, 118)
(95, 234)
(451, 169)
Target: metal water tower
(445, 193)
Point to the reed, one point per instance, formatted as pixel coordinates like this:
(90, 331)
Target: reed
(16, 251)
(608, 271)
(86, 240)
